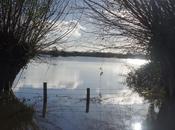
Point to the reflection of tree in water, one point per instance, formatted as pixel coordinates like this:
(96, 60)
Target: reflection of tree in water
(150, 83)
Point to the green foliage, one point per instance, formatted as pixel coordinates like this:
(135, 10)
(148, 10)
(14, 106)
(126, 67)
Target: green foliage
(149, 83)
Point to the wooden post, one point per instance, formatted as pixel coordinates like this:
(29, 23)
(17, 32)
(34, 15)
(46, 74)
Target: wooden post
(87, 100)
(44, 99)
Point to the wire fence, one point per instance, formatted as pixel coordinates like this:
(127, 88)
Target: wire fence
(74, 100)
(104, 103)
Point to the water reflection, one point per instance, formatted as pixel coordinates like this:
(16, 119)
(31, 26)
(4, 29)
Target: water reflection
(137, 62)
(112, 103)
(124, 97)
(137, 126)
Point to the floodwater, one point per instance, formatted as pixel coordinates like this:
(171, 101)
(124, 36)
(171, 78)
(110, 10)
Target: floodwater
(113, 106)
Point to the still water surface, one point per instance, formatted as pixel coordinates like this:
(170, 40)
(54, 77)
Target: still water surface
(113, 106)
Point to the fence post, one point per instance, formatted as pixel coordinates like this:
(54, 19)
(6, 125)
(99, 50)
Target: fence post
(87, 100)
(44, 99)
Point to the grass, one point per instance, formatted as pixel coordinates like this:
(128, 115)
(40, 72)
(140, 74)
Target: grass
(15, 115)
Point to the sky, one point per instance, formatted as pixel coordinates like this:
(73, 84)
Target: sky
(85, 36)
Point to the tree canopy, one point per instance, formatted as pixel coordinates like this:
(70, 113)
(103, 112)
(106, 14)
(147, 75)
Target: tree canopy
(29, 23)
(148, 25)
(26, 28)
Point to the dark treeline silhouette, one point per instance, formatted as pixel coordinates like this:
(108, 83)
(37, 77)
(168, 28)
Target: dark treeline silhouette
(56, 53)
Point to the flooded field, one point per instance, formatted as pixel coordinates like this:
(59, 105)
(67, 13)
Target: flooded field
(113, 106)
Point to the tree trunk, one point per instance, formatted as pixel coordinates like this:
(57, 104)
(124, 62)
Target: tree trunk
(164, 54)
(13, 57)
(8, 71)
(166, 116)
(168, 71)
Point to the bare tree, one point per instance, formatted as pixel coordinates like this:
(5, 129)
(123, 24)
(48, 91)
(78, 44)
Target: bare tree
(148, 24)
(27, 27)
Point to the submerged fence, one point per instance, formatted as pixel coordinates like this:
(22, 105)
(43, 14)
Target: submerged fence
(88, 96)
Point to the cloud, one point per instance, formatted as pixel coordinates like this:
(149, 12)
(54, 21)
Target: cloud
(62, 27)
(77, 32)
(71, 24)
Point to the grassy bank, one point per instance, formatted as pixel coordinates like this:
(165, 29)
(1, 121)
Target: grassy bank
(15, 115)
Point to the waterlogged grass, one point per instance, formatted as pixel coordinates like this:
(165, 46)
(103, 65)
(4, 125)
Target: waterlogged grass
(15, 115)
